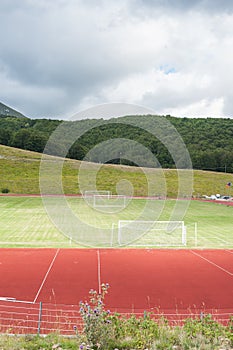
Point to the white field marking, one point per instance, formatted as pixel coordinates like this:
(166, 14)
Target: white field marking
(228, 251)
(7, 299)
(212, 263)
(14, 300)
(221, 239)
(46, 275)
(99, 272)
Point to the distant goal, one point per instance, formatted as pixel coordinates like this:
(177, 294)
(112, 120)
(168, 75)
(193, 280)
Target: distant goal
(151, 233)
(112, 201)
(106, 193)
(105, 201)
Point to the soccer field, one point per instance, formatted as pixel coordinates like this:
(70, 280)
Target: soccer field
(25, 223)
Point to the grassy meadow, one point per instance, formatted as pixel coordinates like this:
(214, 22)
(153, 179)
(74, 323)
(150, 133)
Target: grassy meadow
(19, 173)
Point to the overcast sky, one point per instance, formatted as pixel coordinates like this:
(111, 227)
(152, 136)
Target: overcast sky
(58, 57)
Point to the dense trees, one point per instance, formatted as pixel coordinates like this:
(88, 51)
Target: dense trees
(208, 140)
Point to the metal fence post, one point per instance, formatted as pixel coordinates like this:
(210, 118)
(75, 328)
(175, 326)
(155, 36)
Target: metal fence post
(39, 318)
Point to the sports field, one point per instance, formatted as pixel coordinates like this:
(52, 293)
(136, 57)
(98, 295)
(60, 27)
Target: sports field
(177, 283)
(25, 223)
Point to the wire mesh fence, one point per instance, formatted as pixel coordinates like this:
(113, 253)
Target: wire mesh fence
(38, 318)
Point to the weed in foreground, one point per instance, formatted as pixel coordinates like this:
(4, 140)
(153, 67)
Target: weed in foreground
(106, 331)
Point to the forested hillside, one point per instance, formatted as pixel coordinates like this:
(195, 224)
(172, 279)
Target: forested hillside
(208, 140)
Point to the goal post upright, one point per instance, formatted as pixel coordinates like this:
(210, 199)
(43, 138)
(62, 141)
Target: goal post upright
(184, 234)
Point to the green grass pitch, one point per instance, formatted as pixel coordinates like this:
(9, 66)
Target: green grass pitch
(25, 223)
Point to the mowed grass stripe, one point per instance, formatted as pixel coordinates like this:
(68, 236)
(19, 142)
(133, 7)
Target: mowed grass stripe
(24, 221)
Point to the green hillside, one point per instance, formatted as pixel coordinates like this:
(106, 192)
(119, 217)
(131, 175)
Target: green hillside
(209, 141)
(19, 173)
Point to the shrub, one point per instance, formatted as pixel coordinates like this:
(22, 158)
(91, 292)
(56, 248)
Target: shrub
(103, 330)
(5, 190)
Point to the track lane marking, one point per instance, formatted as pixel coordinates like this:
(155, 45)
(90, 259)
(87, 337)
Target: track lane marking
(46, 275)
(98, 271)
(212, 263)
(228, 251)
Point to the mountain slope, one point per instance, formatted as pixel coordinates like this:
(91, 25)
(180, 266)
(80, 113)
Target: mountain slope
(6, 110)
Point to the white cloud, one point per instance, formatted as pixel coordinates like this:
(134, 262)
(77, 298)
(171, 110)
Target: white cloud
(58, 57)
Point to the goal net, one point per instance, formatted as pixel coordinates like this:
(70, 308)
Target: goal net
(151, 233)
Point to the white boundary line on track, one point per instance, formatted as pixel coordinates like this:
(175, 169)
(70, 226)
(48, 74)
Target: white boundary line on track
(14, 300)
(99, 272)
(46, 275)
(212, 263)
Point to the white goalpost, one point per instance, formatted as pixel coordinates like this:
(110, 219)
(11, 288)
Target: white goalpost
(112, 201)
(105, 201)
(97, 193)
(138, 233)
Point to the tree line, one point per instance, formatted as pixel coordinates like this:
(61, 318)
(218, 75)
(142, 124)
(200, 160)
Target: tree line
(209, 141)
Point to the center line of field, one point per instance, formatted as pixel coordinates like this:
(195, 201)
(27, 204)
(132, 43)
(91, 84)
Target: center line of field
(99, 272)
(212, 263)
(46, 275)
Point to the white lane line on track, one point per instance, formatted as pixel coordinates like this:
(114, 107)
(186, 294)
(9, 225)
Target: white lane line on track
(229, 251)
(99, 272)
(46, 275)
(212, 263)
(14, 300)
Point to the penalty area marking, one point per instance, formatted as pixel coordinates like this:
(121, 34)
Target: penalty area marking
(212, 263)
(46, 275)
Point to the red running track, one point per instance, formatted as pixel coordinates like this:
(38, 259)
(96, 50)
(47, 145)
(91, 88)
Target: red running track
(162, 281)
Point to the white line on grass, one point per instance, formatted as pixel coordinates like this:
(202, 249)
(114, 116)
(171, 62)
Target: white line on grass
(46, 275)
(212, 263)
